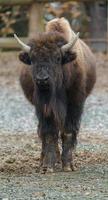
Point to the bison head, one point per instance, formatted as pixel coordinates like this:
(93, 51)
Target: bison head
(47, 54)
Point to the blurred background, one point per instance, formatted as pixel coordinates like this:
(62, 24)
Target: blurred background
(26, 17)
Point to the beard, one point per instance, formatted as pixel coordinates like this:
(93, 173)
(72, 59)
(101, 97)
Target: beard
(51, 102)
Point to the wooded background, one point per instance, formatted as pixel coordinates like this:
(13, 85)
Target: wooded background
(27, 17)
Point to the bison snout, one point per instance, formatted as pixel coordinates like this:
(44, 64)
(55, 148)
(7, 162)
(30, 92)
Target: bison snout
(42, 80)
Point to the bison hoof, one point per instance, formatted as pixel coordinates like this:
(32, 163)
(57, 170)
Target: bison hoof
(50, 170)
(68, 168)
(45, 170)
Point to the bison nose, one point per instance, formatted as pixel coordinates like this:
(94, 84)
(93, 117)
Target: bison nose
(43, 80)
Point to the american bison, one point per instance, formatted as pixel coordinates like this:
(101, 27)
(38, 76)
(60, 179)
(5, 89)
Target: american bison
(60, 76)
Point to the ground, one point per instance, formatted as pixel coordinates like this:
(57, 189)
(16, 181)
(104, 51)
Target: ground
(20, 147)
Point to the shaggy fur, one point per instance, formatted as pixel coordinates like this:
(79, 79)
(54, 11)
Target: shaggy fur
(59, 103)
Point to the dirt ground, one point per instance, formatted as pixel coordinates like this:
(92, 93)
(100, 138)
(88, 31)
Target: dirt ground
(20, 147)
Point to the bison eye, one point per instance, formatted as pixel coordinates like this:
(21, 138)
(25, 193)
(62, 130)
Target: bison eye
(57, 59)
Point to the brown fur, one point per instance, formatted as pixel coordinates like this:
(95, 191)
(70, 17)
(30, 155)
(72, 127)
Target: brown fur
(74, 80)
(85, 60)
(27, 84)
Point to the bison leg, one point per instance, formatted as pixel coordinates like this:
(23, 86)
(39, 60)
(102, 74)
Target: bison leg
(27, 84)
(49, 154)
(67, 147)
(50, 151)
(69, 137)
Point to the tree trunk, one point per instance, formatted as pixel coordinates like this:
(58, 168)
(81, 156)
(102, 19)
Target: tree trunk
(97, 12)
(35, 19)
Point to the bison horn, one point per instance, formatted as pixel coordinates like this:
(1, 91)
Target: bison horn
(24, 46)
(70, 45)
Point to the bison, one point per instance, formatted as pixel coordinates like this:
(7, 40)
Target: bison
(60, 76)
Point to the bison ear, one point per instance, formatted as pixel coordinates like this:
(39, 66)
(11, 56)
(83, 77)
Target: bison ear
(25, 58)
(68, 57)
